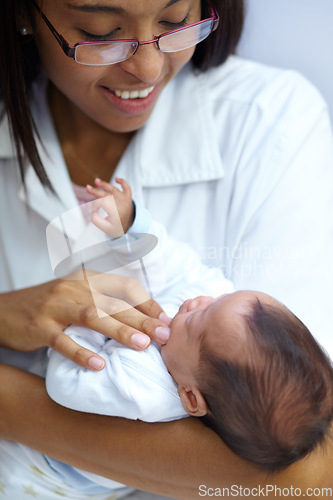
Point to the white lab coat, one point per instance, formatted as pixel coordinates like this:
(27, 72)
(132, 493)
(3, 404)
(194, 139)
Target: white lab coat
(237, 162)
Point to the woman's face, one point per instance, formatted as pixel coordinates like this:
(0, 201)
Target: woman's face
(92, 89)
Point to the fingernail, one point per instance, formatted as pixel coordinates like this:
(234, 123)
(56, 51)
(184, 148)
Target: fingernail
(96, 363)
(164, 318)
(162, 333)
(140, 340)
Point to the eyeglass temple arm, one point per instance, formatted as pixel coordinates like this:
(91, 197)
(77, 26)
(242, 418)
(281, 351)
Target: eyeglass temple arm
(216, 17)
(69, 51)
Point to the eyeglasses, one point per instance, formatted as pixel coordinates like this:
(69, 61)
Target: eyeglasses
(102, 53)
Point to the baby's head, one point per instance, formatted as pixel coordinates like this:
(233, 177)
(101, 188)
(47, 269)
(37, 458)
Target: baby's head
(254, 373)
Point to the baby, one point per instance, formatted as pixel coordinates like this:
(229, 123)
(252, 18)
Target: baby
(254, 374)
(242, 362)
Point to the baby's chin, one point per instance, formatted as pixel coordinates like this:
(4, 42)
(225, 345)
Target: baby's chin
(165, 349)
(164, 353)
(175, 323)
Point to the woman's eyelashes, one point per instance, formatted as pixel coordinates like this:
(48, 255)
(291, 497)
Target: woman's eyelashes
(174, 26)
(91, 37)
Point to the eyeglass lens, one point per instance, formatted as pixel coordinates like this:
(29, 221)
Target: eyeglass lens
(104, 53)
(113, 52)
(185, 38)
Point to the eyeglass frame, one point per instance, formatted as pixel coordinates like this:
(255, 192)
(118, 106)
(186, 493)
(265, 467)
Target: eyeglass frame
(70, 51)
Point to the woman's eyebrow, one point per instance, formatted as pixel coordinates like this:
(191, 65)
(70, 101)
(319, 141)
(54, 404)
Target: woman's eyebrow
(171, 2)
(86, 7)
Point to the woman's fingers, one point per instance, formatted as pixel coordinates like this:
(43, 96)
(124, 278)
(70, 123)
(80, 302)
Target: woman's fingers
(156, 329)
(130, 291)
(80, 355)
(123, 333)
(116, 306)
(153, 309)
(123, 329)
(111, 293)
(142, 325)
(38, 316)
(114, 285)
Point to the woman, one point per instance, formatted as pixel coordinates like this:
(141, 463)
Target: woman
(233, 158)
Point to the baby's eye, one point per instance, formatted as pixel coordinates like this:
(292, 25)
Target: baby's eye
(190, 318)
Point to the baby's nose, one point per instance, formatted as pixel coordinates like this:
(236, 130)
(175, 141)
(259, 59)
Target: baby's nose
(185, 306)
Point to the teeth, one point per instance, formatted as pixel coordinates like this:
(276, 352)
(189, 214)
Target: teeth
(134, 94)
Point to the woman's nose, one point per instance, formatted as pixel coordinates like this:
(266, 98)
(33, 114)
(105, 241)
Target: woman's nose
(146, 64)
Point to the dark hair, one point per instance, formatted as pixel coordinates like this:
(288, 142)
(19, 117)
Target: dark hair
(276, 405)
(20, 65)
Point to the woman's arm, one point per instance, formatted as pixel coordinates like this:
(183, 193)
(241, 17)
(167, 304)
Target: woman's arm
(185, 453)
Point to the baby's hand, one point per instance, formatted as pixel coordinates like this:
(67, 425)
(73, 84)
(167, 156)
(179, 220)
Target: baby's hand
(117, 204)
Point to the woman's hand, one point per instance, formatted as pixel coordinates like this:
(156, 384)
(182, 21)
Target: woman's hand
(113, 305)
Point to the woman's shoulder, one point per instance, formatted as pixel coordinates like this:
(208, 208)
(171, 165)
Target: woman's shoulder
(246, 82)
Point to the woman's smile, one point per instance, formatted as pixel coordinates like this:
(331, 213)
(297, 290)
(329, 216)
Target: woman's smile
(118, 97)
(132, 102)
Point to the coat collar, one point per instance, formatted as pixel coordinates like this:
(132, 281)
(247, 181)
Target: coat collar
(39, 199)
(7, 149)
(190, 153)
(178, 144)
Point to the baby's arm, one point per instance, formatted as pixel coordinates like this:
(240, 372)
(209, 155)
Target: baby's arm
(185, 276)
(174, 270)
(117, 204)
(134, 385)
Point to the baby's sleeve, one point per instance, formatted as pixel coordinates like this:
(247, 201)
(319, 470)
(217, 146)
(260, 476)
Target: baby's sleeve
(133, 384)
(142, 219)
(176, 273)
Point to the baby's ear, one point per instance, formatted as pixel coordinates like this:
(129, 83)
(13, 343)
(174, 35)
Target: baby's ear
(193, 401)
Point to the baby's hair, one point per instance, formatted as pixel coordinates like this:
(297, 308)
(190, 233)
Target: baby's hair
(274, 404)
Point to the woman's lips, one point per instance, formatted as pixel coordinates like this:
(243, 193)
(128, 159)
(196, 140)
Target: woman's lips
(132, 102)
